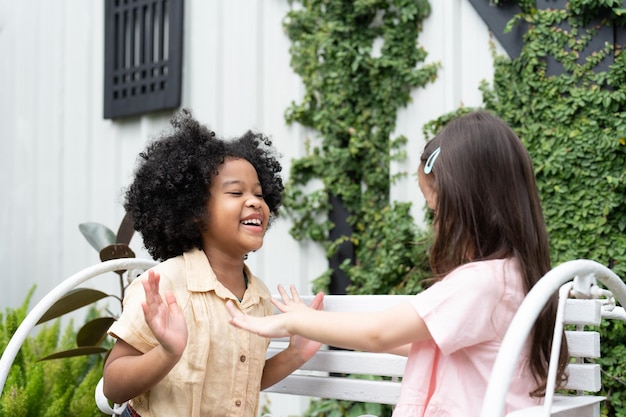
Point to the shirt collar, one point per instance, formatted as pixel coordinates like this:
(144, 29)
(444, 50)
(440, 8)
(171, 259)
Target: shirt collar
(201, 278)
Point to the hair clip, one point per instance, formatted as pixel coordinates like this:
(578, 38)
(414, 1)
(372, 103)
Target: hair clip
(428, 167)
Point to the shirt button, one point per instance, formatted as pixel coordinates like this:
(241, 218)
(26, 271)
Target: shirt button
(238, 403)
(242, 358)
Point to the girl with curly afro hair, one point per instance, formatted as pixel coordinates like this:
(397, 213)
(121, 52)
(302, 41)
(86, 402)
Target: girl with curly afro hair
(201, 204)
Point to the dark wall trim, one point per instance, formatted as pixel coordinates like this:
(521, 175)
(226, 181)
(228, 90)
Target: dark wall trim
(339, 280)
(496, 18)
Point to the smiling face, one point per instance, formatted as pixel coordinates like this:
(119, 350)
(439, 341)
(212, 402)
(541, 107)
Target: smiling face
(238, 214)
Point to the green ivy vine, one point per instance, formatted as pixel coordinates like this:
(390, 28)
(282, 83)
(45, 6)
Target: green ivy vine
(574, 126)
(353, 93)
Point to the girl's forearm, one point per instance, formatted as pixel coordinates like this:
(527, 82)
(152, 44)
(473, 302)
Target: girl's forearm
(373, 332)
(279, 366)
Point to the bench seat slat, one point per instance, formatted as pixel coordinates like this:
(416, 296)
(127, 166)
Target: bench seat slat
(584, 377)
(586, 312)
(564, 406)
(583, 344)
(323, 375)
(381, 392)
(350, 362)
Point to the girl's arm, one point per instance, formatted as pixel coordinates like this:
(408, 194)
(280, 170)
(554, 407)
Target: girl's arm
(374, 332)
(403, 350)
(299, 350)
(128, 372)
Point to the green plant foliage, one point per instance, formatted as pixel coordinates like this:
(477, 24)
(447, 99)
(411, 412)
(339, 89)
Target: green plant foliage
(573, 125)
(353, 93)
(70, 380)
(98, 235)
(93, 334)
(398, 253)
(52, 388)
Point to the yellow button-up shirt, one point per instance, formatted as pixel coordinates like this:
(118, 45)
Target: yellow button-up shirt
(220, 371)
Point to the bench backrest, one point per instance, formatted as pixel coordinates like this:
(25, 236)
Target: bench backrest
(587, 293)
(323, 376)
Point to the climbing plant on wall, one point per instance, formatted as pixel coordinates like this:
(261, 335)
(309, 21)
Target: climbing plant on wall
(359, 61)
(574, 125)
(567, 102)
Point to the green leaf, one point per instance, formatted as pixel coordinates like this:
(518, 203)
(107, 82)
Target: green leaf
(116, 251)
(126, 230)
(98, 235)
(73, 300)
(81, 351)
(94, 331)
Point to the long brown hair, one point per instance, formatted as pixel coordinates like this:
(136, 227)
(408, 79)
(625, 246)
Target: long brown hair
(488, 207)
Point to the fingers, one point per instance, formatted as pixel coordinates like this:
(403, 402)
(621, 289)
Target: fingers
(318, 301)
(295, 297)
(237, 318)
(170, 299)
(294, 293)
(232, 310)
(283, 293)
(154, 302)
(280, 306)
(151, 287)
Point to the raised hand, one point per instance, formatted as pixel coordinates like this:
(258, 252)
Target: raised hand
(269, 326)
(305, 348)
(293, 303)
(276, 325)
(164, 317)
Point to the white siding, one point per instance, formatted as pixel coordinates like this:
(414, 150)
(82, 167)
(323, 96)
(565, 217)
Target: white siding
(62, 164)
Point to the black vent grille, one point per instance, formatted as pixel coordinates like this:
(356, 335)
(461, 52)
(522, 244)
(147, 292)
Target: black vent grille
(143, 56)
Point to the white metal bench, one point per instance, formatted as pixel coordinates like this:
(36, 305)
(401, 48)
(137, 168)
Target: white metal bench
(582, 303)
(323, 376)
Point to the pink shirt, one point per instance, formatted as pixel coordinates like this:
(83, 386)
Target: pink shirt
(467, 314)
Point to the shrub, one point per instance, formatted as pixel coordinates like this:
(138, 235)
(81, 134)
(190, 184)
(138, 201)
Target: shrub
(34, 388)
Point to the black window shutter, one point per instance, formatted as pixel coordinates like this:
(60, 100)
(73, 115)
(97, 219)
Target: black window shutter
(142, 56)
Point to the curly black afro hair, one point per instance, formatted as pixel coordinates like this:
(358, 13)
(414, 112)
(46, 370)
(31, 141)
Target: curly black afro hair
(168, 196)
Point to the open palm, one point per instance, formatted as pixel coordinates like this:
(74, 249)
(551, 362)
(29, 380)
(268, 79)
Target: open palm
(164, 317)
